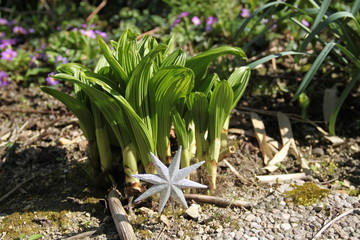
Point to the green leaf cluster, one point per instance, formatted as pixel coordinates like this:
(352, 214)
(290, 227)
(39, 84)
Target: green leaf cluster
(137, 92)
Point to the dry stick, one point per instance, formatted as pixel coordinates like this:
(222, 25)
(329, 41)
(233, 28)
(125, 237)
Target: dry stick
(97, 10)
(16, 188)
(121, 221)
(238, 175)
(83, 235)
(222, 202)
(282, 177)
(3, 110)
(150, 32)
(355, 210)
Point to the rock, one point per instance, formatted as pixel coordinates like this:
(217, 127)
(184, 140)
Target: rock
(318, 151)
(249, 217)
(285, 226)
(193, 211)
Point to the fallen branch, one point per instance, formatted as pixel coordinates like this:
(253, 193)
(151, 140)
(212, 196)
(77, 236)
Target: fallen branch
(121, 221)
(97, 10)
(83, 235)
(222, 202)
(150, 32)
(16, 188)
(355, 210)
(282, 177)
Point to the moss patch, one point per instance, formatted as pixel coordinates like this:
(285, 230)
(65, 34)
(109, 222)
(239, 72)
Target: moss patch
(307, 194)
(33, 222)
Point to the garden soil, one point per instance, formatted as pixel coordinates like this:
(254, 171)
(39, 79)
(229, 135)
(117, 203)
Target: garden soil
(44, 188)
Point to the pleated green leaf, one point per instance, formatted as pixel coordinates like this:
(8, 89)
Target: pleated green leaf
(238, 81)
(177, 57)
(121, 75)
(127, 51)
(170, 84)
(219, 109)
(79, 109)
(199, 64)
(198, 105)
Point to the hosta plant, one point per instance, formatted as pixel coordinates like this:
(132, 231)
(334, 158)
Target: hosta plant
(136, 92)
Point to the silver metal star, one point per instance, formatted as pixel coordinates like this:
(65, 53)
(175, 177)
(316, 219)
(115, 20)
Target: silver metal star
(169, 181)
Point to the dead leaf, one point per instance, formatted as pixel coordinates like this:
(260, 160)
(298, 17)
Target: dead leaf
(260, 135)
(278, 158)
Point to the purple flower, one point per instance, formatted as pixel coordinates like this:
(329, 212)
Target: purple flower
(2, 34)
(209, 22)
(305, 23)
(4, 21)
(32, 63)
(4, 43)
(176, 22)
(196, 20)
(31, 30)
(61, 59)
(50, 80)
(4, 79)
(88, 33)
(183, 14)
(245, 13)
(8, 54)
(101, 34)
(19, 30)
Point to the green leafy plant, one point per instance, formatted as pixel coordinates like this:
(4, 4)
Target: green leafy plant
(135, 93)
(336, 31)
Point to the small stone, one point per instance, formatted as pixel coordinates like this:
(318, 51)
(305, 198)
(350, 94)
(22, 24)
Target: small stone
(285, 216)
(255, 225)
(249, 217)
(193, 211)
(285, 226)
(318, 151)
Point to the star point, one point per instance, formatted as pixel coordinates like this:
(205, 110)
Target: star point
(169, 181)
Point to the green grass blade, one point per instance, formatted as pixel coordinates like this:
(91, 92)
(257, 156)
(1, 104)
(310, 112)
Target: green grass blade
(322, 25)
(355, 8)
(314, 67)
(344, 94)
(321, 13)
(272, 56)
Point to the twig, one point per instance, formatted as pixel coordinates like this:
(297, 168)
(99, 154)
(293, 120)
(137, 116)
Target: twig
(355, 210)
(152, 31)
(282, 177)
(222, 202)
(238, 175)
(16, 188)
(83, 235)
(227, 151)
(121, 221)
(97, 10)
(34, 111)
